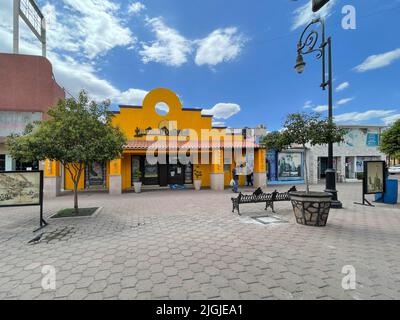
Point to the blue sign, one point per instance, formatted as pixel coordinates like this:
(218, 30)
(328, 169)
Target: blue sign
(272, 156)
(373, 140)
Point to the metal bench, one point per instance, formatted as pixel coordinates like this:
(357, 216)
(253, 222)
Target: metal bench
(268, 198)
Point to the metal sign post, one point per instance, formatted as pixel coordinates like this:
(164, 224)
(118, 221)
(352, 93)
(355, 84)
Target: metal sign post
(34, 19)
(23, 189)
(373, 180)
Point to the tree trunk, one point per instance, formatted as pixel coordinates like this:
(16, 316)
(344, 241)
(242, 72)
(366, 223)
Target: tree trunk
(76, 206)
(306, 170)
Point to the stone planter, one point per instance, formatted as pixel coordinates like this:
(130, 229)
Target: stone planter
(138, 187)
(311, 209)
(197, 185)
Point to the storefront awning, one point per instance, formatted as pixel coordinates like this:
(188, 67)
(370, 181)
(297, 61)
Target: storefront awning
(139, 145)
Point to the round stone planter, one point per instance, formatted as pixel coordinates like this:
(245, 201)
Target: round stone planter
(311, 209)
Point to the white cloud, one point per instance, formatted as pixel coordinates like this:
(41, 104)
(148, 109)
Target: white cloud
(222, 45)
(173, 49)
(320, 108)
(223, 110)
(391, 119)
(344, 101)
(364, 116)
(74, 75)
(170, 48)
(96, 26)
(342, 86)
(218, 124)
(130, 97)
(316, 108)
(59, 35)
(304, 14)
(378, 61)
(308, 104)
(136, 7)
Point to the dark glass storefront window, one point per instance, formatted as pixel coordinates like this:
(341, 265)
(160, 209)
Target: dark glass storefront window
(150, 173)
(2, 162)
(188, 174)
(136, 166)
(27, 166)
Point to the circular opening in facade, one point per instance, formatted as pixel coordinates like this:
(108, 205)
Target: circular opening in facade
(162, 109)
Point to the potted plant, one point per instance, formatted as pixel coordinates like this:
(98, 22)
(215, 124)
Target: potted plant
(137, 184)
(197, 181)
(310, 208)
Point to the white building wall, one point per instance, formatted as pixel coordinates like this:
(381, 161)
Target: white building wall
(355, 145)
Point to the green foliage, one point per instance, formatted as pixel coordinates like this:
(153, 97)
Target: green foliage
(197, 173)
(76, 133)
(137, 175)
(303, 128)
(390, 140)
(276, 140)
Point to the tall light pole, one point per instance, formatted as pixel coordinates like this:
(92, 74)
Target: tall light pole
(308, 43)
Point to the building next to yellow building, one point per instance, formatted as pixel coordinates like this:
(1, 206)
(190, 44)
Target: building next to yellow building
(172, 147)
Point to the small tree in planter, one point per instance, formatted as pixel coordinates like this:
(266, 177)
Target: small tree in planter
(310, 208)
(198, 174)
(137, 184)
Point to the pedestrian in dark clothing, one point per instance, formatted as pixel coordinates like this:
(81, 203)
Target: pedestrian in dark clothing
(250, 180)
(235, 176)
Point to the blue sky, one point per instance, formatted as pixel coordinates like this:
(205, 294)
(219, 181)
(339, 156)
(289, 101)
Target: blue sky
(233, 58)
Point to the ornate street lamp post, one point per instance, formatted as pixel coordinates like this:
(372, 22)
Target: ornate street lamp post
(308, 43)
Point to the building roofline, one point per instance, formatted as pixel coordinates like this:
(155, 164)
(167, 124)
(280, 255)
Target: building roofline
(129, 107)
(362, 126)
(192, 109)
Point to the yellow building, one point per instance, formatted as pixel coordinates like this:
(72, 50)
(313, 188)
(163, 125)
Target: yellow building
(176, 146)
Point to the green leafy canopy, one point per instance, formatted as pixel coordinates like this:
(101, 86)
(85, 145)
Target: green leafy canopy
(390, 141)
(75, 132)
(303, 128)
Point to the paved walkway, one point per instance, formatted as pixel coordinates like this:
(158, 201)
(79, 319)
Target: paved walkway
(188, 245)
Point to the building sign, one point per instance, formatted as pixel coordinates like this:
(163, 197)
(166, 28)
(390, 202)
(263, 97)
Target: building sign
(290, 166)
(20, 189)
(139, 133)
(373, 140)
(374, 177)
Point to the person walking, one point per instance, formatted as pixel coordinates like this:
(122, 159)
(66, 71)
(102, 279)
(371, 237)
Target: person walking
(250, 180)
(235, 176)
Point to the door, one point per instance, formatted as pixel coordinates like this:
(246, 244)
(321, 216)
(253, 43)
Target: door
(150, 174)
(2, 162)
(163, 174)
(350, 168)
(136, 166)
(176, 174)
(324, 167)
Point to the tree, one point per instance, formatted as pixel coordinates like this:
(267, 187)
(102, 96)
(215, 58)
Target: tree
(76, 133)
(303, 129)
(275, 141)
(390, 141)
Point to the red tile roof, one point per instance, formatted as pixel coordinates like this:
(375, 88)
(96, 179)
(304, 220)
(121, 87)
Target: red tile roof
(164, 145)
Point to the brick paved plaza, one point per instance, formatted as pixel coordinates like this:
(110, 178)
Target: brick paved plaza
(188, 245)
